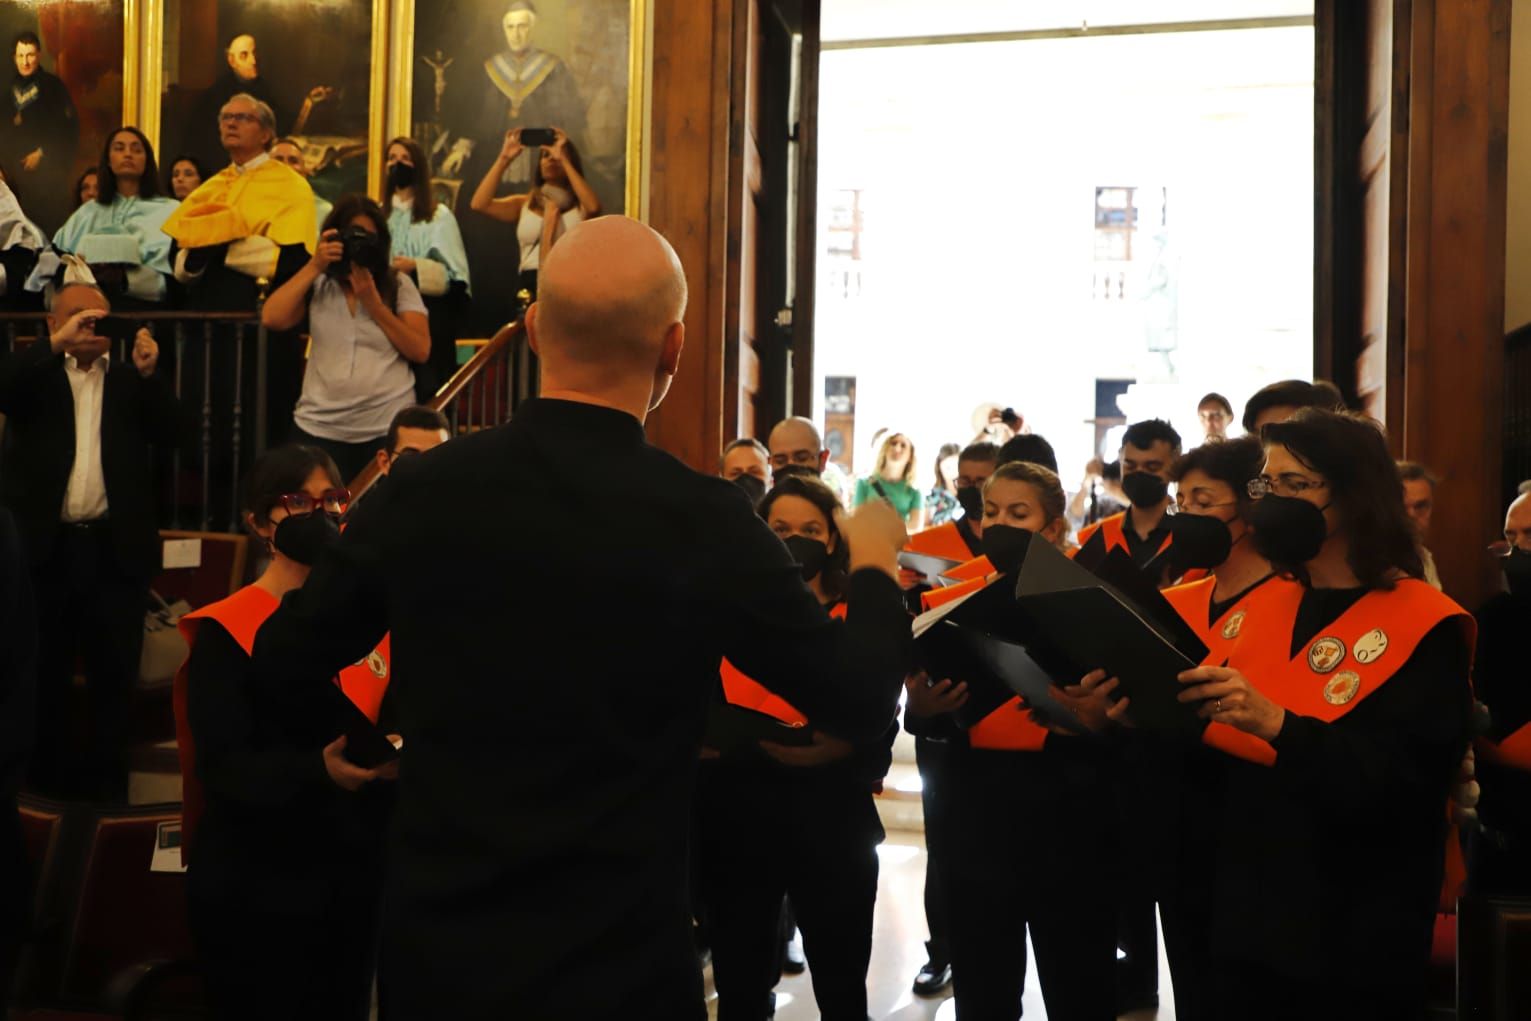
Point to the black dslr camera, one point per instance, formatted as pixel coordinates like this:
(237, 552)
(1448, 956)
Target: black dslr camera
(360, 247)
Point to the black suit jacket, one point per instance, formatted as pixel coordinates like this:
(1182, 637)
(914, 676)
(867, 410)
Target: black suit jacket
(38, 404)
(559, 594)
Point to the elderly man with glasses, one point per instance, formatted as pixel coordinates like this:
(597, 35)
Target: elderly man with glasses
(252, 221)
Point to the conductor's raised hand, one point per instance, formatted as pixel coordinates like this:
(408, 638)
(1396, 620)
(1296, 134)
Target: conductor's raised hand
(1227, 697)
(346, 774)
(825, 749)
(926, 699)
(874, 533)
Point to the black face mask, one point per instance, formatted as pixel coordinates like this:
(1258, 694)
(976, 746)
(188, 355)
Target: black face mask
(811, 554)
(1288, 532)
(970, 499)
(1200, 541)
(753, 486)
(1517, 572)
(1006, 546)
(401, 175)
(1145, 490)
(302, 538)
(788, 470)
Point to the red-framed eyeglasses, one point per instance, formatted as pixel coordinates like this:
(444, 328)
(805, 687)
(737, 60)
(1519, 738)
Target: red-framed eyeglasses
(333, 501)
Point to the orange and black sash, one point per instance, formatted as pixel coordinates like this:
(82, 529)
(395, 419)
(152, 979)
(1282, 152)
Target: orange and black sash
(747, 693)
(1513, 751)
(1350, 658)
(944, 541)
(1194, 604)
(242, 615)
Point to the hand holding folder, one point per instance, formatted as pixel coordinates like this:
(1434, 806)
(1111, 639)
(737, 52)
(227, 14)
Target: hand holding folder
(734, 730)
(978, 639)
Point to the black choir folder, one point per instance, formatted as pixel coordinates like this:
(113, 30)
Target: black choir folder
(1087, 623)
(732, 729)
(366, 745)
(979, 639)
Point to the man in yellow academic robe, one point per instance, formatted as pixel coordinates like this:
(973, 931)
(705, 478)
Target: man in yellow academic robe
(249, 226)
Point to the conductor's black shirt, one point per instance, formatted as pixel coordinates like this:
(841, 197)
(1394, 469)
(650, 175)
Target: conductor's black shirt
(559, 595)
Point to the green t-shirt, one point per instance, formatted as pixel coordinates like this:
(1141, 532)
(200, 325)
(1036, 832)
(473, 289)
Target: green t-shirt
(904, 497)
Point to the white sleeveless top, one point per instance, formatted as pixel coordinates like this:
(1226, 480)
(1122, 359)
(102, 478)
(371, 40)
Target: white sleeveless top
(529, 226)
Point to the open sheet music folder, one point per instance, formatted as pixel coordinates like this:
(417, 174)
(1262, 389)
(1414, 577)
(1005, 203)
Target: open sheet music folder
(979, 639)
(1090, 624)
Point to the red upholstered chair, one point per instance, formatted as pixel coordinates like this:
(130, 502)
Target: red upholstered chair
(111, 937)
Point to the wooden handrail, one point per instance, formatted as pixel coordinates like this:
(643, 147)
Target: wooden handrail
(449, 391)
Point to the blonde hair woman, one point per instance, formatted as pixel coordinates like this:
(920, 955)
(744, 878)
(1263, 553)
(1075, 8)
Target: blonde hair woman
(893, 479)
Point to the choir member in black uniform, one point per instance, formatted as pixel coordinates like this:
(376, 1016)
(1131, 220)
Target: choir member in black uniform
(798, 821)
(1327, 864)
(1025, 813)
(284, 835)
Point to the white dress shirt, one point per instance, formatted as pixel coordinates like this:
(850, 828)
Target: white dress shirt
(85, 496)
(252, 163)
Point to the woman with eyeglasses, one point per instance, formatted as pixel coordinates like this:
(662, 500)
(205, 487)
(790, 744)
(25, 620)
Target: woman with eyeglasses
(798, 821)
(282, 833)
(1325, 871)
(1172, 786)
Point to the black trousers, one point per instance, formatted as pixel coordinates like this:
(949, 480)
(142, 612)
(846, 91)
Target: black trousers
(1137, 973)
(87, 607)
(929, 757)
(269, 960)
(1250, 992)
(764, 836)
(1029, 846)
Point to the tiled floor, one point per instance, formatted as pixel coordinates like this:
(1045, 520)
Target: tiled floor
(898, 951)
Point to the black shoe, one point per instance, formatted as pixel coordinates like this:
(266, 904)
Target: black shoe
(932, 979)
(793, 962)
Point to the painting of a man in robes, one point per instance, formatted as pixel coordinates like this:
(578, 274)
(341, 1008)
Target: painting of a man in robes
(485, 67)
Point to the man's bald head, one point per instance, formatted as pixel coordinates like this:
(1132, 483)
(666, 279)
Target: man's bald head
(795, 441)
(610, 299)
(1517, 523)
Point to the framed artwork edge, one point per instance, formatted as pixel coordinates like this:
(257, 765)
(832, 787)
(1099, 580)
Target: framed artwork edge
(399, 75)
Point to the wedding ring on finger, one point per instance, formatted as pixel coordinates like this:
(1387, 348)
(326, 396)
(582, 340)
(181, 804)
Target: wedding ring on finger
(1217, 706)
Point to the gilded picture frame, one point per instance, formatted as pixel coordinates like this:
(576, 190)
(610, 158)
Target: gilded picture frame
(351, 116)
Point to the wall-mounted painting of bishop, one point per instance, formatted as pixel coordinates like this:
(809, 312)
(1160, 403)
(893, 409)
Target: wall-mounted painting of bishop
(483, 68)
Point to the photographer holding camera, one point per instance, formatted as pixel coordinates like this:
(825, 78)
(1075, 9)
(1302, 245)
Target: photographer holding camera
(368, 325)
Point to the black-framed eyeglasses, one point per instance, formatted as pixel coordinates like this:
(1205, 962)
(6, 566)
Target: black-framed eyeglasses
(394, 455)
(332, 501)
(1285, 485)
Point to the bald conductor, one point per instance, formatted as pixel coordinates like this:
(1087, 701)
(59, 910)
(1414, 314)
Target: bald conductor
(559, 594)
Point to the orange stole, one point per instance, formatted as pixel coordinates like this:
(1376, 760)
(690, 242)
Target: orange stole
(242, 615)
(943, 541)
(1514, 751)
(1193, 602)
(1348, 659)
(744, 691)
